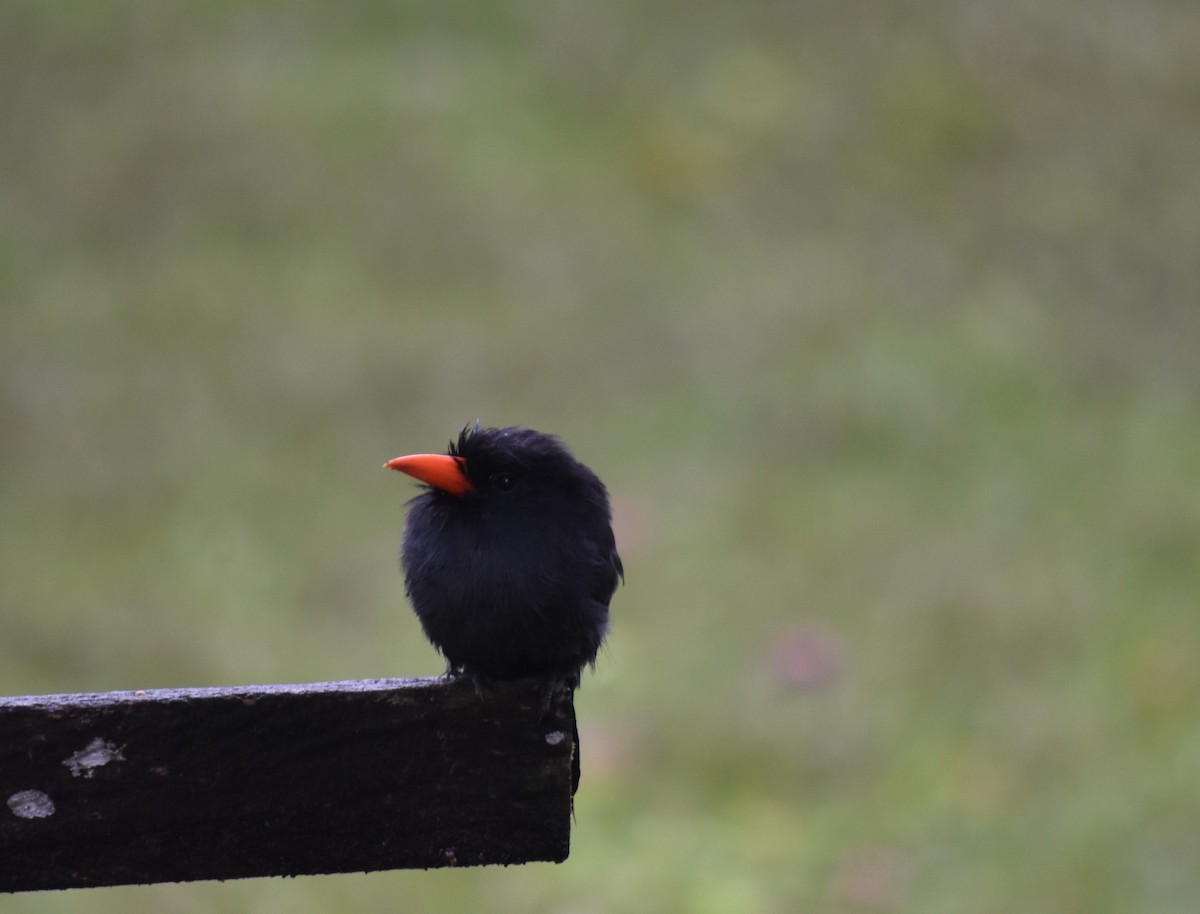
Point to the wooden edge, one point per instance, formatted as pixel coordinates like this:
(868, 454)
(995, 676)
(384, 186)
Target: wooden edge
(166, 785)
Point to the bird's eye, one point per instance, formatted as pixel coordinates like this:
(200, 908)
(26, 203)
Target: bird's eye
(504, 482)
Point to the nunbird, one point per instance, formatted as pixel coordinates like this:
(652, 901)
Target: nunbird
(509, 557)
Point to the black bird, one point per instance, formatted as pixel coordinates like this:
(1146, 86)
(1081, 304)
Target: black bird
(509, 557)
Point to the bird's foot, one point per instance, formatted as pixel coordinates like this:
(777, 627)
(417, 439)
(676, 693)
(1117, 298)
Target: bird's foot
(480, 682)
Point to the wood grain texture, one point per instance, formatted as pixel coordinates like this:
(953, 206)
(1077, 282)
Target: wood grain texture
(184, 784)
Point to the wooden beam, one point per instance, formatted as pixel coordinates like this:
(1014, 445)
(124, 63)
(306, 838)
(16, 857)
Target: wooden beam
(175, 785)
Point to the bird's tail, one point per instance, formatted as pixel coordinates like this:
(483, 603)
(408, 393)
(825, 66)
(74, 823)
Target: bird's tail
(574, 755)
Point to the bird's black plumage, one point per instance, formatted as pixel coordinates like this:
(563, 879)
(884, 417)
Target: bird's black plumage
(511, 569)
(513, 578)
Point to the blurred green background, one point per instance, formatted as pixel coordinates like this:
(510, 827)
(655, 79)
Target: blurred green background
(881, 321)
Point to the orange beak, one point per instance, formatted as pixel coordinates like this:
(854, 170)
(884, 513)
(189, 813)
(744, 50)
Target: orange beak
(438, 470)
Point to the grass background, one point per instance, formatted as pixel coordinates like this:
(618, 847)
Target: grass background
(880, 321)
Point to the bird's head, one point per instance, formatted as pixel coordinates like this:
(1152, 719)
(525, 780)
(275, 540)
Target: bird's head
(515, 464)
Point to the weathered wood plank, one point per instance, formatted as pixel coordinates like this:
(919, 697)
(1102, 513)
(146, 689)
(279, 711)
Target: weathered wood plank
(183, 784)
